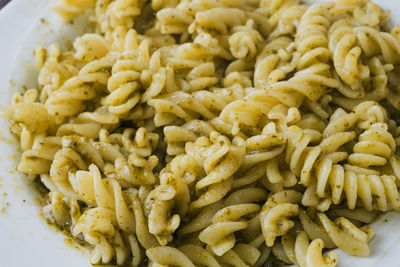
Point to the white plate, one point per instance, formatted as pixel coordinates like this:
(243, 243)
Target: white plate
(26, 239)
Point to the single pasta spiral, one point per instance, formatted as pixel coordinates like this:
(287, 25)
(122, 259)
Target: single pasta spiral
(90, 46)
(374, 147)
(300, 155)
(302, 252)
(309, 82)
(265, 146)
(89, 124)
(177, 136)
(69, 99)
(346, 54)
(67, 160)
(274, 212)
(288, 21)
(30, 117)
(311, 40)
(172, 193)
(353, 185)
(247, 112)
(245, 41)
(37, 159)
(53, 68)
(173, 20)
(219, 235)
(276, 8)
(347, 236)
(137, 167)
(199, 78)
(61, 211)
(274, 62)
(187, 106)
(123, 85)
(217, 156)
(219, 20)
(363, 11)
(373, 43)
(115, 18)
(166, 255)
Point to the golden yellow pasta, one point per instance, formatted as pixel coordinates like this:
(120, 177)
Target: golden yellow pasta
(217, 132)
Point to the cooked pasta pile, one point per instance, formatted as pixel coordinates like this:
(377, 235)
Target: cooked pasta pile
(217, 132)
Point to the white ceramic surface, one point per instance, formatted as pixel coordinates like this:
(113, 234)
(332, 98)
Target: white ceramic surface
(25, 239)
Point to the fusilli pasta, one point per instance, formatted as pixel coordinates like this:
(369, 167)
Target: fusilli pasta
(217, 132)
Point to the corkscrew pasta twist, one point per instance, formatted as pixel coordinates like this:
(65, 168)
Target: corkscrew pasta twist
(274, 212)
(69, 99)
(300, 251)
(217, 160)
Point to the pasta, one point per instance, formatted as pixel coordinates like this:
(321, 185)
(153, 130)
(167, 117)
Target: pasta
(216, 133)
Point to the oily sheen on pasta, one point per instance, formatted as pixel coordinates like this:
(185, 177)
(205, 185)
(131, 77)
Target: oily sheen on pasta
(217, 132)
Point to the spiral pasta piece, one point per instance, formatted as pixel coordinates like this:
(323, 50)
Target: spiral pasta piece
(248, 111)
(28, 116)
(122, 86)
(137, 167)
(89, 124)
(219, 235)
(245, 41)
(38, 158)
(68, 100)
(217, 19)
(177, 136)
(312, 41)
(364, 12)
(373, 42)
(265, 146)
(187, 106)
(302, 252)
(199, 255)
(288, 21)
(240, 255)
(115, 18)
(300, 156)
(274, 212)
(167, 255)
(160, 206)
(274, 62)
(61, 212)
(90, 47)
(342, 44)
(173, 20)
(309, 82)
(96, 224)
(217, 160)
(65, 159)
(54, 67)
(252, 233)
(352, 239)
(276, 7)
(374, 147)
(172, 192)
